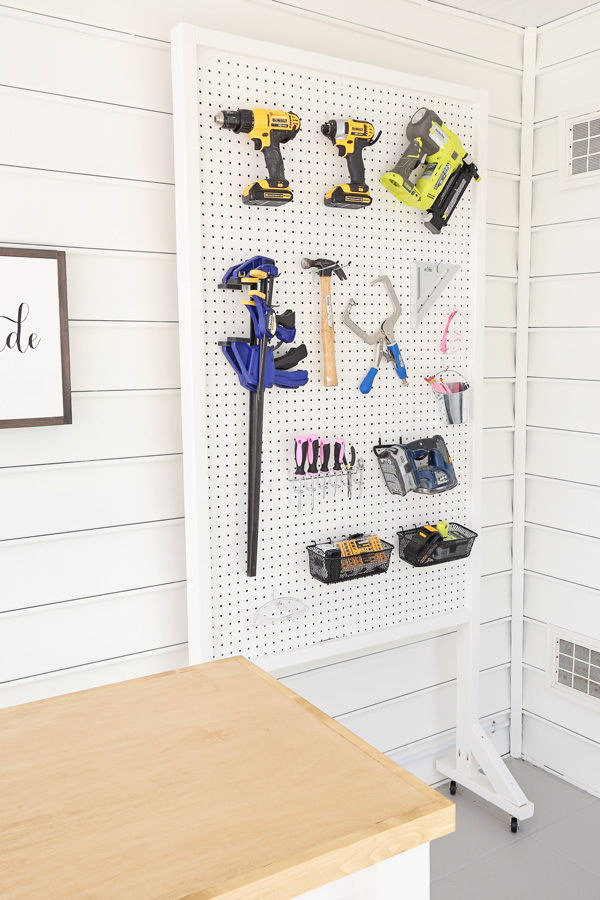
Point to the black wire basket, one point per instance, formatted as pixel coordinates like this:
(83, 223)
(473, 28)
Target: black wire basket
(327, 564)
(442, 551)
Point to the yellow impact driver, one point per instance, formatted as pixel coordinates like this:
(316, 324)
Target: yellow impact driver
(267, 129)
(350, 137)
(447, 173)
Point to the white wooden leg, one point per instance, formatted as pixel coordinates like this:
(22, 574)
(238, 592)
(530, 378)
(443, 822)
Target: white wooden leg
(477, 765)
(403, 877)
(494, 782)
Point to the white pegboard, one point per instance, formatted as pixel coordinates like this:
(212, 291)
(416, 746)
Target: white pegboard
(383, 239)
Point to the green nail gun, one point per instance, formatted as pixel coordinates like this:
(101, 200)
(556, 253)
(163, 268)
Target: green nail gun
(447, 174)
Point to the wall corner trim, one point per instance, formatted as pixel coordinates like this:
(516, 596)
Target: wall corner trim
(521, 361)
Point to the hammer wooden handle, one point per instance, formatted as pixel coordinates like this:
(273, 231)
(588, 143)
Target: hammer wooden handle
(327, 333)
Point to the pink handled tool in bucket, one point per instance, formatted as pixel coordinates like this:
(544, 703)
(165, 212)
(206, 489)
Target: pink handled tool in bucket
(451, 393)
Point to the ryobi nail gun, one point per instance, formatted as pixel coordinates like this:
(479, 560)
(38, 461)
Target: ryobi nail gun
(447, 173)
(267, 129)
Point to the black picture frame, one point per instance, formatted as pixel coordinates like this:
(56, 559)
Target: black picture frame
(7, 317)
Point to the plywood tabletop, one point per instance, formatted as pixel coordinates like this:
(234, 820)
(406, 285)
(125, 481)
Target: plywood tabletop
(208, 782)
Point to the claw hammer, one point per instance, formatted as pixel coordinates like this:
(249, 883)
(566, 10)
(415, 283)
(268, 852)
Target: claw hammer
(325, 268)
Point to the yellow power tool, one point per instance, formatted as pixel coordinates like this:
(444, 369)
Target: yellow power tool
(350, 137)
(447, 173)
(267, 129)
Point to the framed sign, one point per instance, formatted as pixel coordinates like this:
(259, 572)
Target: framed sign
(34, 339)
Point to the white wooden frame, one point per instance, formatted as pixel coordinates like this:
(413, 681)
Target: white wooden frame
(473, 743)
(477, 765)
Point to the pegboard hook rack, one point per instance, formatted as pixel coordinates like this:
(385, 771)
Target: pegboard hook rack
(329, 483)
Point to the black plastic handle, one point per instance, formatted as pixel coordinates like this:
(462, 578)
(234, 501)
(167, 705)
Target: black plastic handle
(409, 160)
(325, 451)
(300, 454)
(338, 453)
(313, 454)
(349, 463)
(287, 318)
(356, 166)
(274, 160)
(291, 358)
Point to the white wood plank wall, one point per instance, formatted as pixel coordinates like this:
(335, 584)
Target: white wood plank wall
(562, 584)
(92, 526)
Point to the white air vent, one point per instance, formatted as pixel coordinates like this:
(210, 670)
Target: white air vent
(580, 148)
(574, 666)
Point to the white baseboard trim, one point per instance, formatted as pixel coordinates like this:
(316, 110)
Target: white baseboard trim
(420, 756)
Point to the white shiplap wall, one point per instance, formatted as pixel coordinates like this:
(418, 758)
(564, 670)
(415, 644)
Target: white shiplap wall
(92, 534)
(562, 550)
(93, 529)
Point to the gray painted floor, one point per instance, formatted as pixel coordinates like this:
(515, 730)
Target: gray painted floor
(554, 855)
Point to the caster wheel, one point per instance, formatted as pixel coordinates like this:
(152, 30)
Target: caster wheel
(453, 788)
(514, 824)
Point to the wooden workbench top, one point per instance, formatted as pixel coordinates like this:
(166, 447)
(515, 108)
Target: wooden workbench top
(208, 782)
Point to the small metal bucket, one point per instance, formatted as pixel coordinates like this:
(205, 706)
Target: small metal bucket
(455, 404)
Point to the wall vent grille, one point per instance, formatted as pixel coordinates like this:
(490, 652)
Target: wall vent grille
(585, 146)
(580, 156)
(575, 666)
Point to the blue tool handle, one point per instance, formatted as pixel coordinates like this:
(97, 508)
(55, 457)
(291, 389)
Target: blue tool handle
(367, 382)
(400, 368)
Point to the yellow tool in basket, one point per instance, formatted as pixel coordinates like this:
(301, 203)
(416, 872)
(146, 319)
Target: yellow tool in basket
(353, 549)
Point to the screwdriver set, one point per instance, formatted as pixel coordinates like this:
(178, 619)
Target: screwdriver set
(319, 471)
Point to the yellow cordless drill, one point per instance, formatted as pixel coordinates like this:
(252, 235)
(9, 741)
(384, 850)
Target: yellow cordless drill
(267, 129)
(350, 137)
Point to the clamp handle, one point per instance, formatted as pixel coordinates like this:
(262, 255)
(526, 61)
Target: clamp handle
(367, 382)
(398, 361)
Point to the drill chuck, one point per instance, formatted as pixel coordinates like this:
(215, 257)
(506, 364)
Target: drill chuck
(236, 120)
(330, 129)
